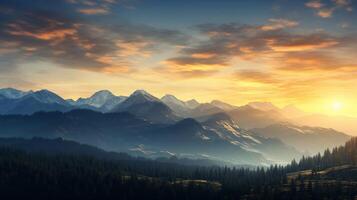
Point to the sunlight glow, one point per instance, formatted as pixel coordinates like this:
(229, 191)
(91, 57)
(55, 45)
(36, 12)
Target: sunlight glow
(336, 106)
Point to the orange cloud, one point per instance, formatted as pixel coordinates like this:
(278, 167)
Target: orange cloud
(325, 13)
(93, 11)
(301, 43)
(185, 70)
(314, 4)
(255, 76)
(59, 34)
(342, 2)
(315, 61)
(203, 55)
(272, 45)
(276, 24)
(131, 48)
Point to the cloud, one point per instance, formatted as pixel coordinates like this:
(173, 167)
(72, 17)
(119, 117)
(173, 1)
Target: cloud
(316, 61)
(187, 72)
(314, 4)
(276, 24)
(256, 76)
(325, 13)
(59, 34)
(275, 45)
(342, 2)
(93, 11)
(326, 10)
(296, 42)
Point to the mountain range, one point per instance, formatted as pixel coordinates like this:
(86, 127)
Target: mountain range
(144, 125)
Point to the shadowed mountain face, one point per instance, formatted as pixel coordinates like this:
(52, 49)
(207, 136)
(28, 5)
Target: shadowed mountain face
(110, 130)
(146, 106)
(226, 128)
(217, 138)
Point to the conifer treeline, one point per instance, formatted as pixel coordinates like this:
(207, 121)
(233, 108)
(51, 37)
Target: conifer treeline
(343, 155)
(30, 175)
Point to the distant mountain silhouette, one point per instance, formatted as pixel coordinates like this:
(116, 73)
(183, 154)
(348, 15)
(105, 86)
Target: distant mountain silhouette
(306, 139)
(249, 117)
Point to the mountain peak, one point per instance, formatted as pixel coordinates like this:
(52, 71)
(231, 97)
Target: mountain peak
(44, 91)
(222, 105)
(170, 97)
(140, 91)
(144, 94)
(192, 103)
(12, 93)
(103, 93)
(10, 89)
(264, 106)
(101, 98)
(46, 96)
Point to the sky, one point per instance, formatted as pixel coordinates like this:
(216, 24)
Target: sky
(281, 51)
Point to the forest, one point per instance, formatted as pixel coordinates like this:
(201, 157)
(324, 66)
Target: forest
(63, 176)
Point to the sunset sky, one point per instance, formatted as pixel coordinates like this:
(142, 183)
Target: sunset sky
(282, 51)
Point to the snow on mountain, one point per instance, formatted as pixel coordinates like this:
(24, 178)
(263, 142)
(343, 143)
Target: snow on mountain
(138, 97)
(228, 130)
(179, 107)
(101, 99)
(171, 99)
(46, 96)
(146, 106)
(12, 93)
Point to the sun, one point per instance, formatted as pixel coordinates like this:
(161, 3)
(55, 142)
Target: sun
(337, 106)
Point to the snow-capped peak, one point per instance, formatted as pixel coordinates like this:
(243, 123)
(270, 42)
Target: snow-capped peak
(46, 96)
(12, 93)
(143, 94)
(101, 98)
(168, 98)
